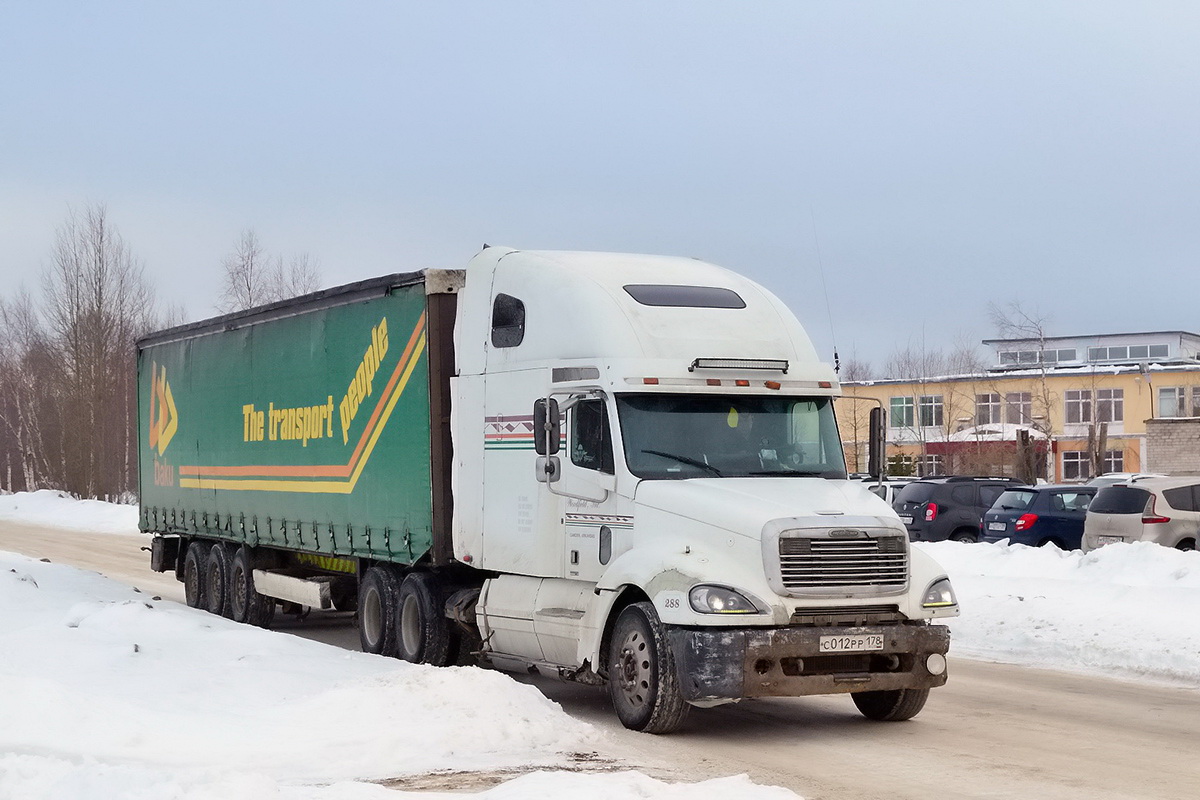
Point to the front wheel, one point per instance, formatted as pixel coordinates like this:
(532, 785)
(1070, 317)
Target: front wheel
(893, 705)
(642, 679)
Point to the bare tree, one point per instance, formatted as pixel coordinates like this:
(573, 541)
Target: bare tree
(22, 350)
(1015, 322)
(96, 304)
(854, 410)
(253, 277)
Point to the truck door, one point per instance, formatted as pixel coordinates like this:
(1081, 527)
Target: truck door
(591, 511)
(594, 525)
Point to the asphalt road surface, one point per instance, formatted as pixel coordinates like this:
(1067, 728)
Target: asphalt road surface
(994, 731)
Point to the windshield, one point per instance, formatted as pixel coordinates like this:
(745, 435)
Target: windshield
(673, 436)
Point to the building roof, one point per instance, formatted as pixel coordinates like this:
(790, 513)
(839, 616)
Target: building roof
(1076, 337)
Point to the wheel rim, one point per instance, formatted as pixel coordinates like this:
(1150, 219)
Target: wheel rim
(191, 584)
(633, 669)
(214, 581)
(373, 617)
(410, 626)
(238, 597)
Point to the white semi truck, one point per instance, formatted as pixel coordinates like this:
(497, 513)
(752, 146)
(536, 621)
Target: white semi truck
(631, 474)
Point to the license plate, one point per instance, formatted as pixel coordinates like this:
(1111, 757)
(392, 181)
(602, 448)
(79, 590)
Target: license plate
(855, 643)
(906, 519)
(1103, 540)
(997, 526)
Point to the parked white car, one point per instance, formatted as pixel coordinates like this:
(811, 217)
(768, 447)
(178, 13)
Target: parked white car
(1161, 510)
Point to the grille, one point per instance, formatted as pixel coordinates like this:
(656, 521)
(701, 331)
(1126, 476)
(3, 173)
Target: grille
(807, 563)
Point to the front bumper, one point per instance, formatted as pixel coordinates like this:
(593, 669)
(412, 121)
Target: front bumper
(717, 664)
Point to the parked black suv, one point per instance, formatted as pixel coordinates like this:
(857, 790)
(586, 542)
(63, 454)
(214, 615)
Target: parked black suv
(935, 509)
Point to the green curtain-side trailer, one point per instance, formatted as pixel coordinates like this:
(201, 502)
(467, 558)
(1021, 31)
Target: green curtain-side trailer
(318, 425)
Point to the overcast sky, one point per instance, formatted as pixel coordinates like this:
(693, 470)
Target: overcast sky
(911, 160)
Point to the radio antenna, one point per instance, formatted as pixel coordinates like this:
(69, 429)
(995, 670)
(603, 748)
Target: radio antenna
(837, 364)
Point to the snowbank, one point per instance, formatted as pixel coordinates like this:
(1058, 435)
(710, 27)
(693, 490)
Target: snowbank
(61, 510)
(1125, 610)
(110, 693)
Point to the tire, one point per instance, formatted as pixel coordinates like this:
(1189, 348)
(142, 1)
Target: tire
(378, 602)
(642, 680)
(1186, 544)
(245, 603)
(217, 567)
(424, 635)
(1049, 540)
(965, 536)
(894, 705)
(193, 574)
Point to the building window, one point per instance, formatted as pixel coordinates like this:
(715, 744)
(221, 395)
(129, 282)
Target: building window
(987, 409)
(1079, 405)
(1133, 352)
(1171, 402)
(1018, 408)
(902, 412)
(1110, 405)
(1196, 401)
(929, 409)
(1114, 461)
(1075, 465)
(930, 465)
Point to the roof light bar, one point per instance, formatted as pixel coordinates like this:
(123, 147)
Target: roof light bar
(779, 364)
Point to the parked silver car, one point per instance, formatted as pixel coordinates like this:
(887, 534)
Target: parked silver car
(1161, 510)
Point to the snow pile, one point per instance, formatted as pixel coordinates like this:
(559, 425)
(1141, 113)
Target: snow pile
(110, 693)
(61, 510)
(1126, 610)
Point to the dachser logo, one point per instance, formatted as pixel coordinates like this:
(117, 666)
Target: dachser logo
(164, 420)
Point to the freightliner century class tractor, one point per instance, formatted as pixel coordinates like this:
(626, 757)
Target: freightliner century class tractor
(621, 470)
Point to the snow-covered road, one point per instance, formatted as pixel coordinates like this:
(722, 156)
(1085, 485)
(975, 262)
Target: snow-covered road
(109, 692)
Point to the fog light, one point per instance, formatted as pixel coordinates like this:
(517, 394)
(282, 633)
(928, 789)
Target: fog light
(935, 663)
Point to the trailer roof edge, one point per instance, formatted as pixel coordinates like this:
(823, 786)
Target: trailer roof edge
(325, 298)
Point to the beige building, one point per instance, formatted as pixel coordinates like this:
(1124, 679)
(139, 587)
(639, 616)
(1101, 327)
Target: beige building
(1068, 407)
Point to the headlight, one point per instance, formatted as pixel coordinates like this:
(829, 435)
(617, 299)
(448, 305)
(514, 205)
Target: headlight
(939, 595)
(720, 600)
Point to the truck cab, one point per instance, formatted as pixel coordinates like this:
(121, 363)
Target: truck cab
(648, 471)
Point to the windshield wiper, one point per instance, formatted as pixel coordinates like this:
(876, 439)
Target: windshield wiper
(802, 473)
(685, 460)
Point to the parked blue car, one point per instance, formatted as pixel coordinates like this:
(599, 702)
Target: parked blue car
(1038, 515)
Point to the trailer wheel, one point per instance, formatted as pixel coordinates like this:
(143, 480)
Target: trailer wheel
(893, 705)
(642, 680)
(424, 634)
(245, 603)
(193, 574)
(377, 605)
(217, 569)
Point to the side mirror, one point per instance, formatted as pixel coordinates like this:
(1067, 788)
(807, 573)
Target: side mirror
(547, 426)
(875, 443)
